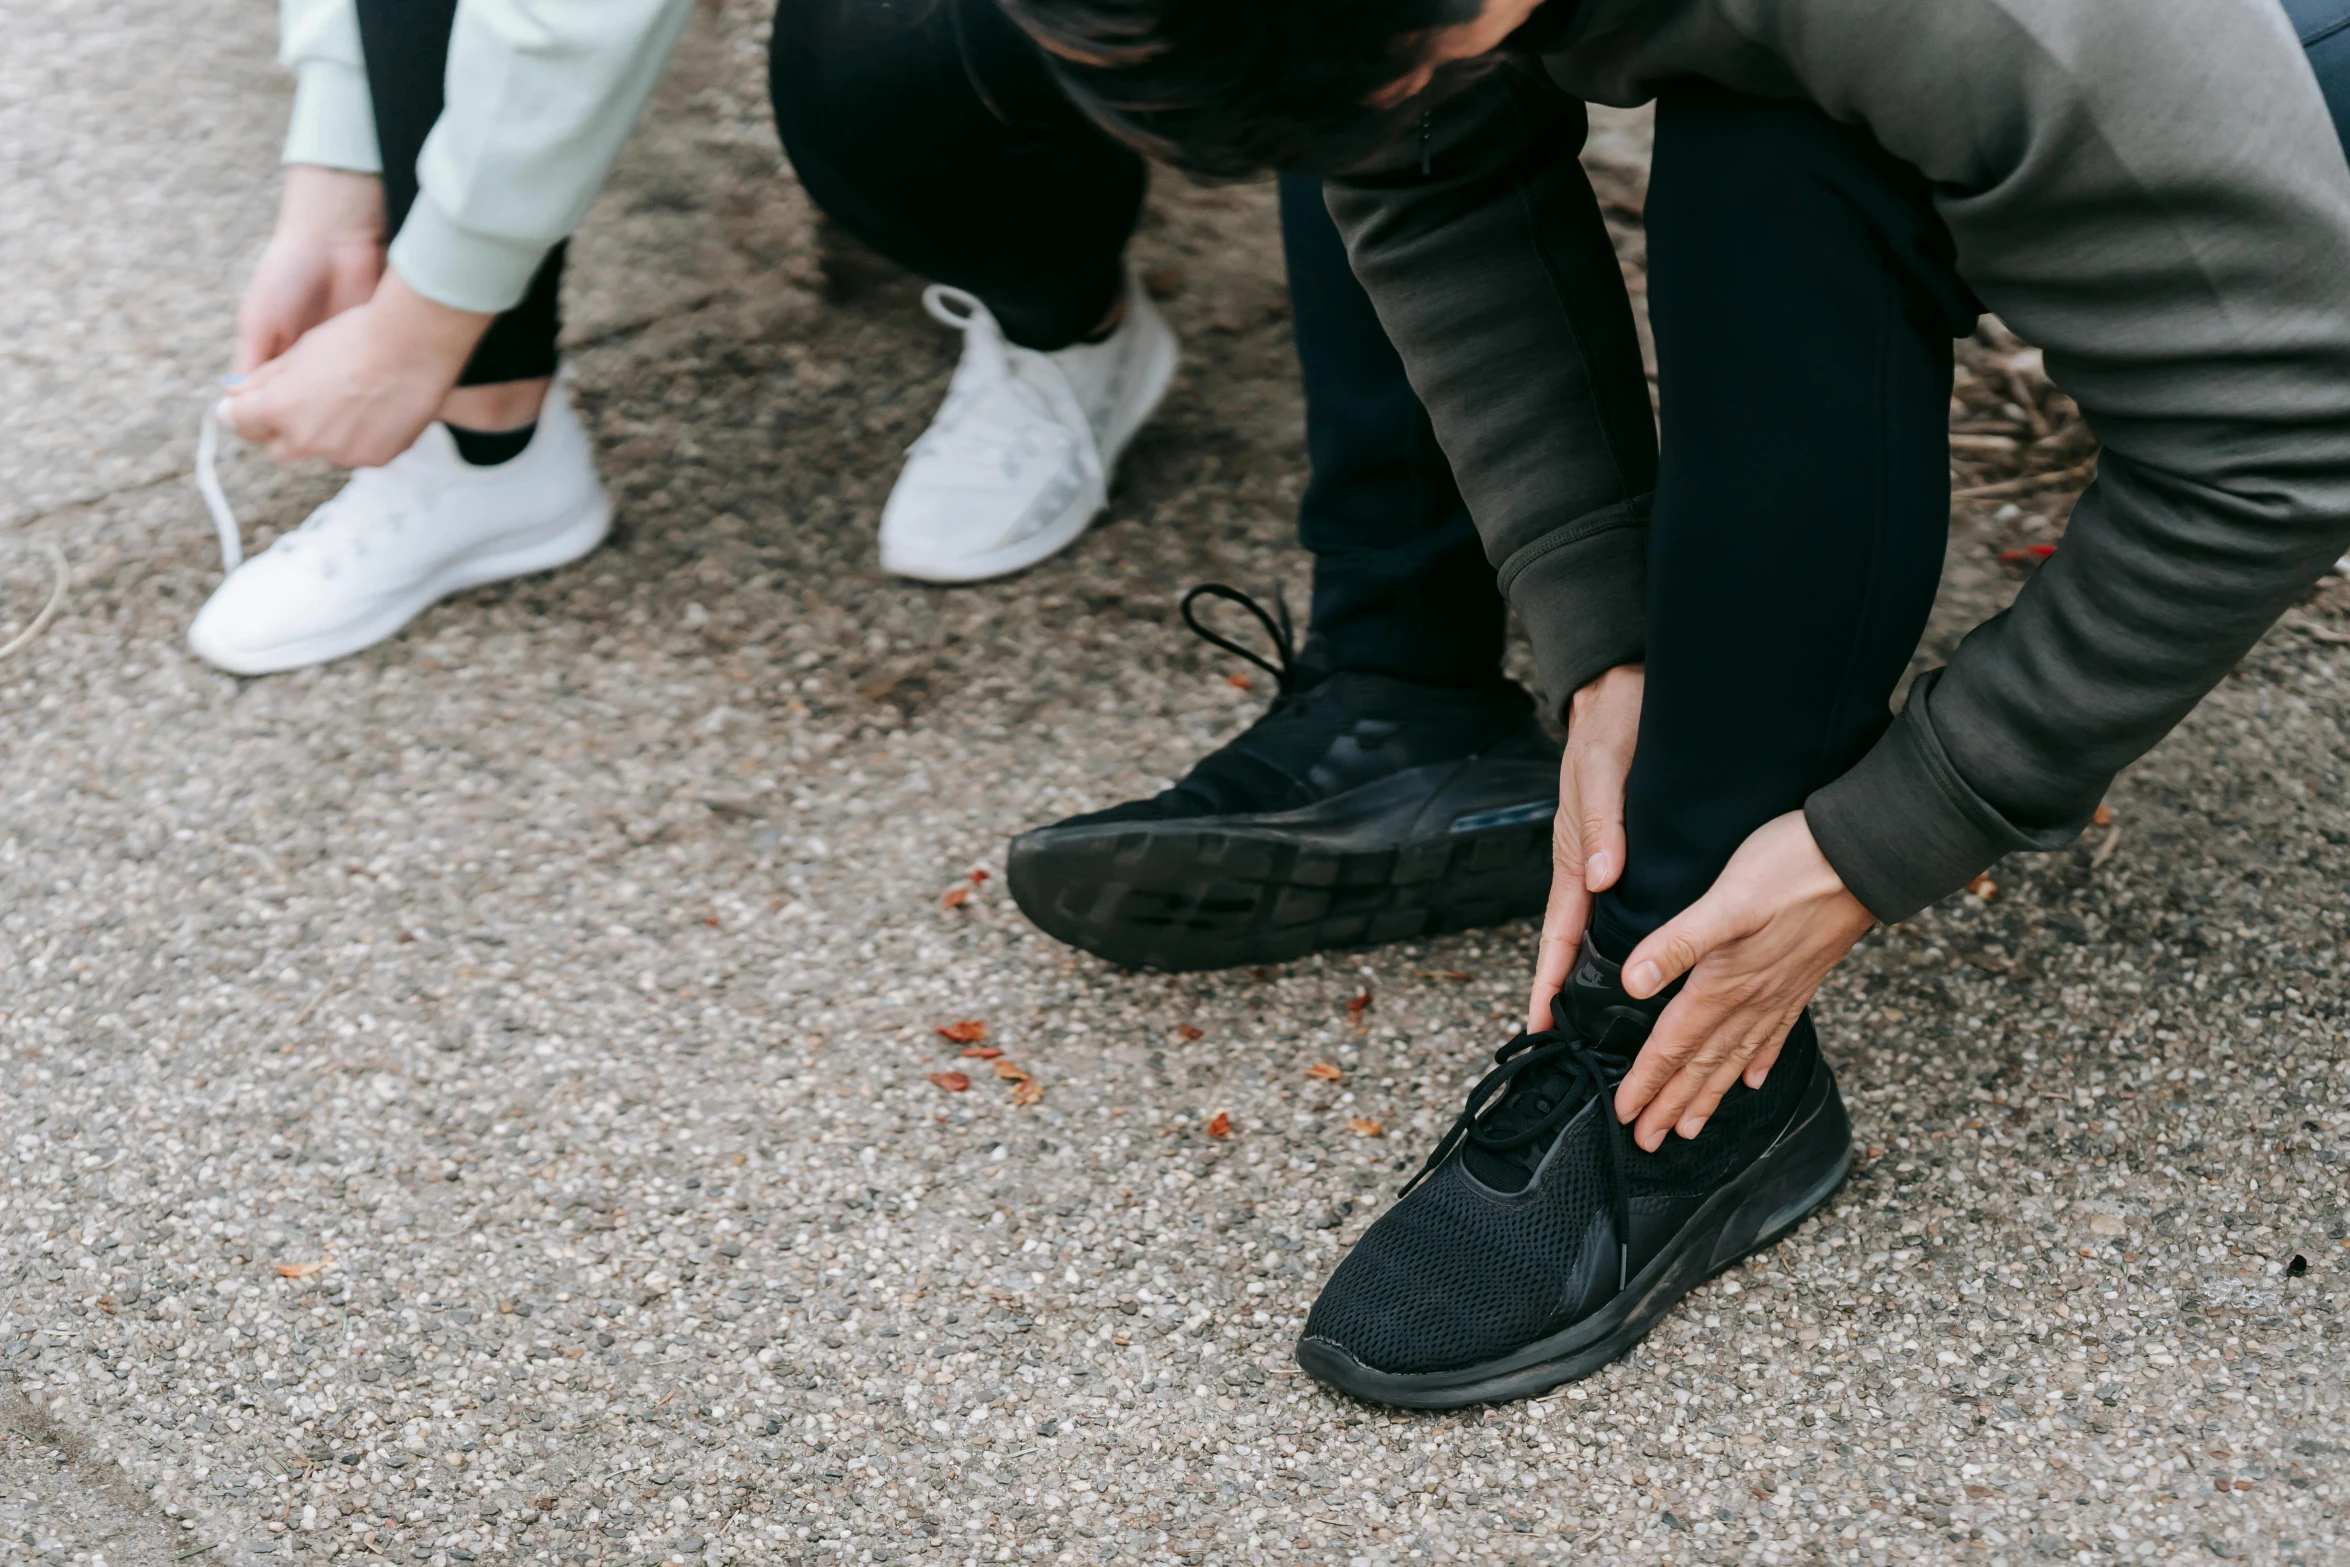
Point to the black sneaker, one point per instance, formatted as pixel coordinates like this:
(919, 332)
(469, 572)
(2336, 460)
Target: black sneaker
(1359, 809)
(1538, 1243)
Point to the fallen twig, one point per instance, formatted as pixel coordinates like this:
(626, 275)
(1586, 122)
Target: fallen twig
(2030, 481)
(63, 574)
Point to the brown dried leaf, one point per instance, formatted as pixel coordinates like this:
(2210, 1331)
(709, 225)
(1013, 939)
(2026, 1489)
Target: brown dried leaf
(1984, 887)
(955, 897)
(1221, 1125)
(952, 1082)
(1028, 1091)
(970, 1031)
(980, 1052)
(1008, 1070)
(2103, 818)
(1240, 682)
(1186, 1032)
(1364, 1126)
(978, 874)
(299, 1270)
(1360, 1005)
(1444, 973)
(1326, 1071)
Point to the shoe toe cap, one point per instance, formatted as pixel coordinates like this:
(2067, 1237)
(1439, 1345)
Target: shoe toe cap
(261, 609)
(1450, 1279)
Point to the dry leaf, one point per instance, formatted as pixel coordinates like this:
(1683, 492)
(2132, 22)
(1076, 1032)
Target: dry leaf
(1006, 1069)
(2103, 818)
(1978, 1492)
(970, 1031)
(954, 898)
(1984, 887)
(1327, 1072)
(1240, 682)
(1221, 1126)
(1444, 973)
(980, 1052)
(1187, 1032)
(1364, 1126)
(1028, 1091)
(299, 1270)
(978, 875)
(952, 1082)
(1360, 1005)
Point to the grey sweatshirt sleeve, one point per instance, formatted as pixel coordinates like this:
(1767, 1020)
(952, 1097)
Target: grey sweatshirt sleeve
(2153, 193)
(1482, 248)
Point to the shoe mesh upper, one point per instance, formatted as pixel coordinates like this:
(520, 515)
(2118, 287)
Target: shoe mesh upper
(1458, 1274)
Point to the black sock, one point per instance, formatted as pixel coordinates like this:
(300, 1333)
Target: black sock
(488, 448)
(1611, 934)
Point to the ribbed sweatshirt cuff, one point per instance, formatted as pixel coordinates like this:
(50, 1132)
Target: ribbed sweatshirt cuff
(1902, 828)
(1582, 591)
(333, 123)
(460, 267)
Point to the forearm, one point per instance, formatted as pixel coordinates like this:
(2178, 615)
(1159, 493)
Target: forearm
(1484, 252)
(540, 100)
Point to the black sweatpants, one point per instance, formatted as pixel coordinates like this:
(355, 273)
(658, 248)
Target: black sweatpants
(932, 130)
(1804, 301)
(406, 47)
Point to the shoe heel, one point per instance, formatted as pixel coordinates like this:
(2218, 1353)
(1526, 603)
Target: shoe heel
(1811, 1161)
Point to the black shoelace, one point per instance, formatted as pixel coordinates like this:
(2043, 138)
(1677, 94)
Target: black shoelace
(1277, 627)
(1593, 1071)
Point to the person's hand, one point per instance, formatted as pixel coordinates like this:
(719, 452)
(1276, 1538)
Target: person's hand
(359, 389)
(1755, 947)
(1587, 835)
(323, 259)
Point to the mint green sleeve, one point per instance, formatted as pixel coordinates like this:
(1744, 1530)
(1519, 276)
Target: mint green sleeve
(541, 95)
(333, 124)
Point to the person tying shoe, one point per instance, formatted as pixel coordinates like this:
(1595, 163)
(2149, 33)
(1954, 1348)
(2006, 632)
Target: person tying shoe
(2155, 193)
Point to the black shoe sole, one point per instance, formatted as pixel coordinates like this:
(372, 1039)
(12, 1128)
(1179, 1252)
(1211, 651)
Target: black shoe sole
(1448, 847)
(1800, 1171)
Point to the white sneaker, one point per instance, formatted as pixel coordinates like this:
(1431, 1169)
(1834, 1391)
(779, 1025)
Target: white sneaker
(1018, 461)
(423, 526)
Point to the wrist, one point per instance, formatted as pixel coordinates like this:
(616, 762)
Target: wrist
(1622, 681)
(430, 331)
(332, 206)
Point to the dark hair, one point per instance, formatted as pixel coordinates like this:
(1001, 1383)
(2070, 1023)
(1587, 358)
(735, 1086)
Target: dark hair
(1231, 88)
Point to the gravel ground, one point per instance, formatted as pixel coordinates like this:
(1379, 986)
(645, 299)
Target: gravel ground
(473, 1103)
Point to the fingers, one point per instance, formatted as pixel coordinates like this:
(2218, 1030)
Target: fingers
(1599, 791)
(1690, 1042)
(1563, 921)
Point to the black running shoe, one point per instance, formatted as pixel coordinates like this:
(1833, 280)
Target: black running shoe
(1538, 1243)
(1359, 809)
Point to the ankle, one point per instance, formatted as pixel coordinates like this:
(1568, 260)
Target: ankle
(506, 405)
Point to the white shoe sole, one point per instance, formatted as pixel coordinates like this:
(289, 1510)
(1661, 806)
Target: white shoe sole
(572, 538)
(1071, 524)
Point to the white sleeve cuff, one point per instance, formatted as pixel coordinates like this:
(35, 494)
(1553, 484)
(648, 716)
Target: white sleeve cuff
(333, 124)
(459, 267)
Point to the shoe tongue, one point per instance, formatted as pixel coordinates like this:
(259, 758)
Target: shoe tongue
(1595, 1006)
(1533, 1096)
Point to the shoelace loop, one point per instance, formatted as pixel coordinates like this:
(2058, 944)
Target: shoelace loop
(1277, 625)
(224, 518)
(1594, 1068)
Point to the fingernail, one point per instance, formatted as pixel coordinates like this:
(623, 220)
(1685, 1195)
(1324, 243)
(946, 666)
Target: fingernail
(1596, 869)
(1645, 977)
(1692, 1126)
(232, 382)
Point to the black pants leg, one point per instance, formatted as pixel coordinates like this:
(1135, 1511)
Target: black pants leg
(1804, 303)
(1401, 583)
(932, 131)
(406, 45)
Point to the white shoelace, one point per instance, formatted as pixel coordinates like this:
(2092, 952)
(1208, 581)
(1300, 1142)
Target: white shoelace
(224, 517)
(965, 437)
